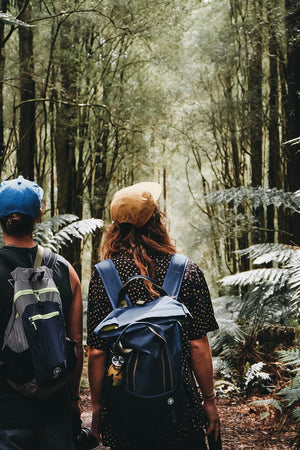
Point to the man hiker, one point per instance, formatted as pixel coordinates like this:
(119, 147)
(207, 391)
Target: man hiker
(28, 422)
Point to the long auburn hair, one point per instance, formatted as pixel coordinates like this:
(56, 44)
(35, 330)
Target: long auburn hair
(141, 243)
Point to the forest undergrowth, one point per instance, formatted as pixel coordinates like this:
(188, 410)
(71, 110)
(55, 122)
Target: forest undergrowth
(241, 425)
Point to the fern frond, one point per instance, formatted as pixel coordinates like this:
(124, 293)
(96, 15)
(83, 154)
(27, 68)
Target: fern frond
(78, 229)
(290, 357)
(295, 414)
(275, 276)
(291, 395)
(44, 232)
(266, 253)
(267, 402)
(224, 387)
(258, 196)
(230, 334)
(294, 280)
(255, 372)
(60, 230)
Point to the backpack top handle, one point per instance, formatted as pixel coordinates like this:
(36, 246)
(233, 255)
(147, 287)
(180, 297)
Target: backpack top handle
(125, 286)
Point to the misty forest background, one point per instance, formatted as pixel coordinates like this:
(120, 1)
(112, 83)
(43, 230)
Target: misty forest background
(200, 96)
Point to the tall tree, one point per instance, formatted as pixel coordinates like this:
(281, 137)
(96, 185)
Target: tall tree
(27, 131)
(3, 8)
(293, 106)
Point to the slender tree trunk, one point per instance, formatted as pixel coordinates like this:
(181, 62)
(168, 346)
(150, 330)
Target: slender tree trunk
(275, 158)
(27, 132)
(255, 80)
(68, 167)
(3, 6)
(255, 109)
(293, 107)
(99, 183)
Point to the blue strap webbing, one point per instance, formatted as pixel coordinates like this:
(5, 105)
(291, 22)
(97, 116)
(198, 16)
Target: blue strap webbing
(111, 281)
(113, 284)
(175, 274)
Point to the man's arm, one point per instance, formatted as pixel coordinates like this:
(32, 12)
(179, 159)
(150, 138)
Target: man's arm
(74, 330)
(96, 370)
(203, 369)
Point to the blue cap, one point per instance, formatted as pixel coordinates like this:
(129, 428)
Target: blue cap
(20, 195)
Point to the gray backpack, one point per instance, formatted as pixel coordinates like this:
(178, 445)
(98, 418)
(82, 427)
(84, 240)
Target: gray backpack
(35, 351)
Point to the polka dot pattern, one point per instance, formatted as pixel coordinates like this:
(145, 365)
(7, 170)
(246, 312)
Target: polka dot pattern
(195, 295)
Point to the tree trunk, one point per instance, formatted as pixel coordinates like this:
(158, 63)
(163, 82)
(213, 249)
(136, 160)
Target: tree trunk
(293, 107)
(27, 132)
(68, 167)
(255, 77)
(3, 6)
(275, 158)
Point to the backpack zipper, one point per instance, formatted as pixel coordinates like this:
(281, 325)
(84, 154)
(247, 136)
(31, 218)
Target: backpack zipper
(42, 317)
(36, 293)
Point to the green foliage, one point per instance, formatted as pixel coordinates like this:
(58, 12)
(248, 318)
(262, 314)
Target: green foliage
(266, 303)
(257, 196)
(267, 402)
(290, 357)
(266, 253)
(61, 230)
(291, 393)
(256, 277)
(226, 342)
(255, 373)
(225, 388)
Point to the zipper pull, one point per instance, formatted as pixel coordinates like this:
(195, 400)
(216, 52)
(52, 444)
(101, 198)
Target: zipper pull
(33, 323)
(37, 294)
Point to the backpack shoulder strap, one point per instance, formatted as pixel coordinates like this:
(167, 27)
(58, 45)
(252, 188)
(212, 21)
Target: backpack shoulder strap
(49, 257)
(39, 256)
(111, 281)
(175, 274)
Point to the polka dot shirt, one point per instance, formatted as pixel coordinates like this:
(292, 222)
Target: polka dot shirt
(195, 295)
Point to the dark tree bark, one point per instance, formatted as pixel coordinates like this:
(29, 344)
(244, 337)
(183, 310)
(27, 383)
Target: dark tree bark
(293, 107)
(255, 77)
(3, 6)
(27, 131)
(68, 163)
(276, 169)
(255, 108)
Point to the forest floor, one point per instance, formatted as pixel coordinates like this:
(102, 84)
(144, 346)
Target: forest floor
(242, 427)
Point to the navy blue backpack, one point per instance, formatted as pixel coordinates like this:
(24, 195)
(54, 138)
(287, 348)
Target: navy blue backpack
(144, 387)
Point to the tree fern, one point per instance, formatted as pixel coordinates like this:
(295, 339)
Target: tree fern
(291, 394)
(256, 276)
(266, 253)
(290, 357)
(62, 230)
(258, 196)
